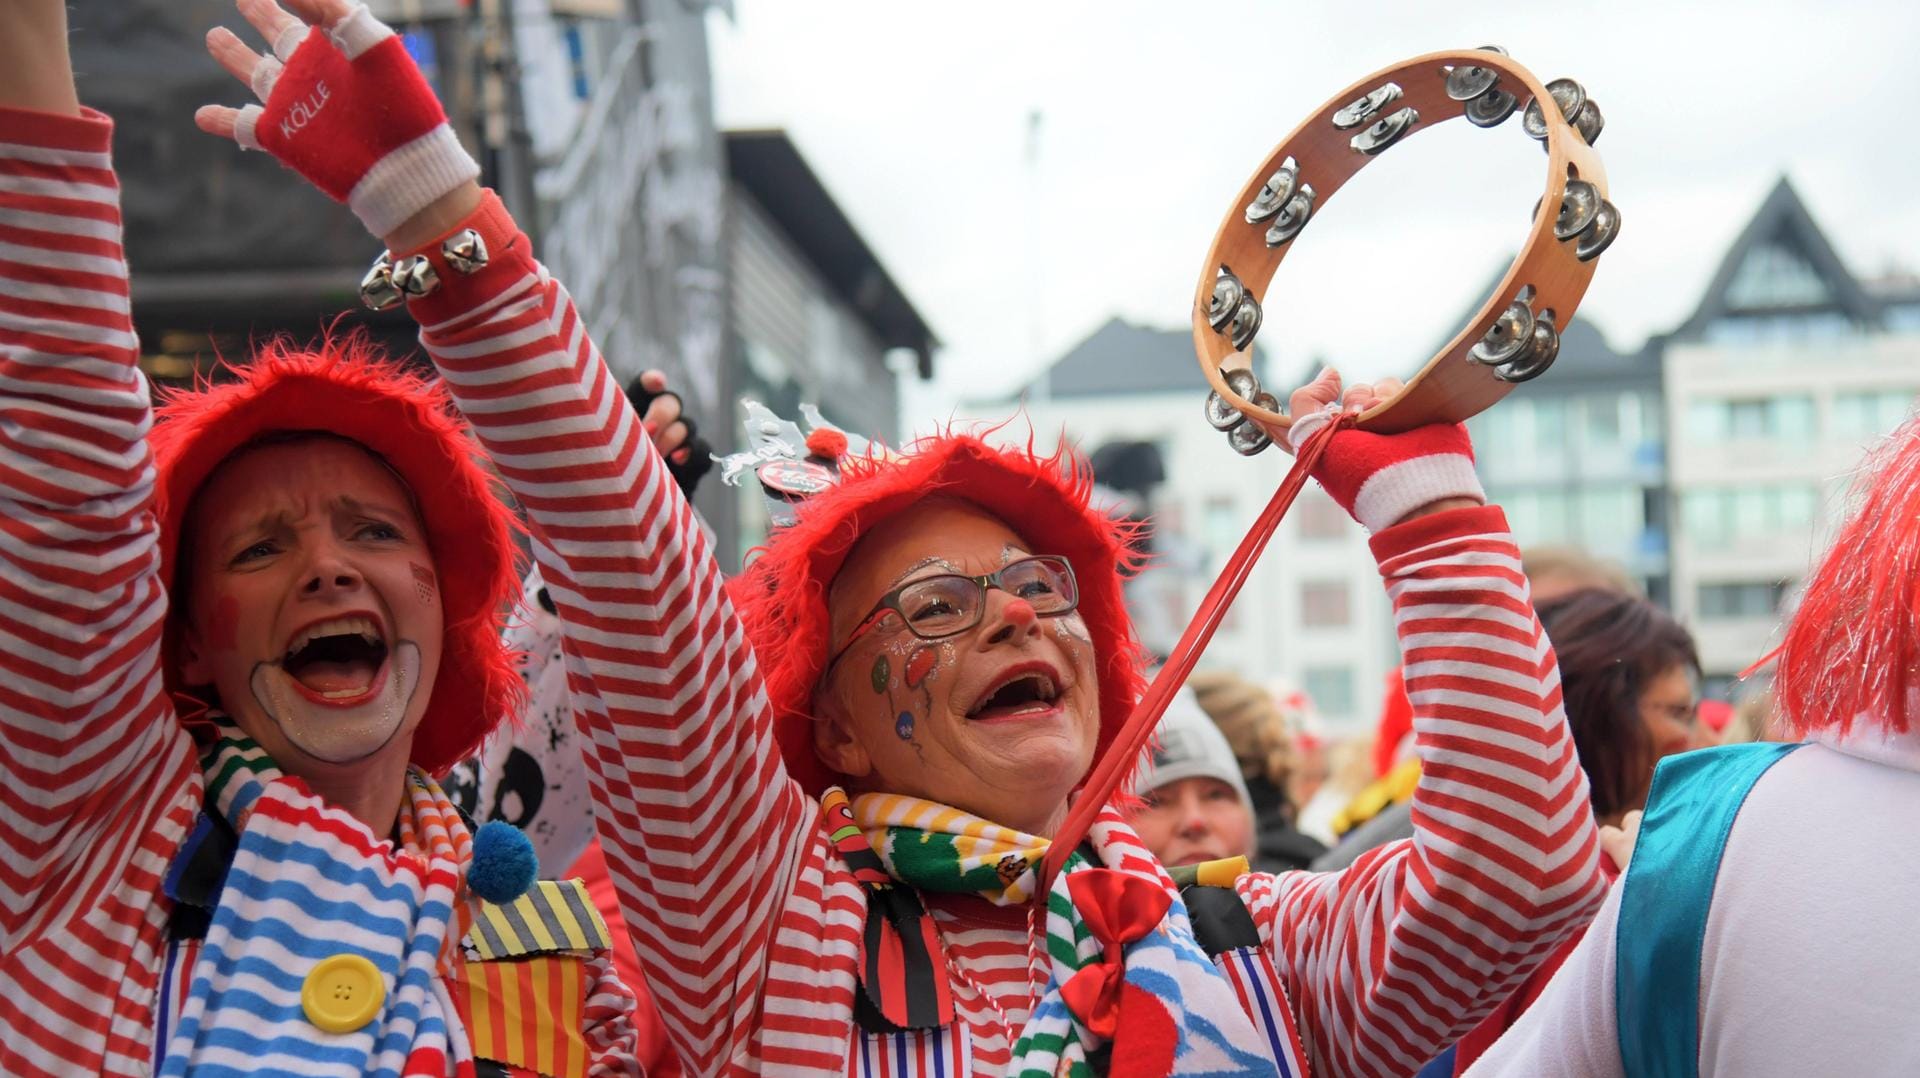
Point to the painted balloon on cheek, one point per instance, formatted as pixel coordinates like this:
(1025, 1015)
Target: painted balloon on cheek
(224, 627)
(903, 726)
(880, 675)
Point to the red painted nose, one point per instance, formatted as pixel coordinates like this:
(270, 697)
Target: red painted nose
(1021, 613)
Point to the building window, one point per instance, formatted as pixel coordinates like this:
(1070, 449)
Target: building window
(1321, 518)
(1539, 516)
(1324, 604)
(1764, 418)
(1331, 688)
(1773, 276)
(1870, 415)
(1717, 518)
(1743, 600)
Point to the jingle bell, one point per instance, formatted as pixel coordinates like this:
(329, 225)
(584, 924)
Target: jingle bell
(415, 276)
(1589, 122)
(1220, 414)
(1242, 381)
(377, 290)
(1466, 82)
(1578, 207)
(466, 252)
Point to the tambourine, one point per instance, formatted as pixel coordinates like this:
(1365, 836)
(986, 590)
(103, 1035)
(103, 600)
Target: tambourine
(1516, 334)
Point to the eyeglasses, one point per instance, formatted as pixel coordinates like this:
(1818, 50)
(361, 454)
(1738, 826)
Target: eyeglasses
(933, 607)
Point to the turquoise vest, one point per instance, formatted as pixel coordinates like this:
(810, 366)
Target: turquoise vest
(1664, 903)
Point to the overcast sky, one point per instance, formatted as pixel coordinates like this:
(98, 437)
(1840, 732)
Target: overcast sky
(1016, 239)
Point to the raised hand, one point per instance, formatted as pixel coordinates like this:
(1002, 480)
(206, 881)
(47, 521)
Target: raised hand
(1383, 479)
(344, 106)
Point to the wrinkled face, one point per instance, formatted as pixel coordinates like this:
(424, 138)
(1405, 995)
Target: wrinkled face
(999, 720)
(1191, 820)
(313, 608)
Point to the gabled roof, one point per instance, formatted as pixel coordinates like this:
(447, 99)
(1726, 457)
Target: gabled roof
(1782, 223)
(769, 168)
(1121, 357)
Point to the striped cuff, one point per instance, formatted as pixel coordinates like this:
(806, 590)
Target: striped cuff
(1391, 493)
(407, 180)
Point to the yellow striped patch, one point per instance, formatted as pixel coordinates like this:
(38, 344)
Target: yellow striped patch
(554, 916)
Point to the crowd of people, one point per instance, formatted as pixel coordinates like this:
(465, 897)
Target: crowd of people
(303, 772)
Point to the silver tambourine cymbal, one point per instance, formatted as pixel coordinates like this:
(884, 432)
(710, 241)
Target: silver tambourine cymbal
(1514, 336)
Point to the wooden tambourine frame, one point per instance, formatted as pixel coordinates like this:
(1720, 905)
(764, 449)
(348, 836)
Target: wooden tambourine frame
(1451, 386)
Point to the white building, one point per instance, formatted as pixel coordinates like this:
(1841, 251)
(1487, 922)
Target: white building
(1785, 372)
(1313, 612)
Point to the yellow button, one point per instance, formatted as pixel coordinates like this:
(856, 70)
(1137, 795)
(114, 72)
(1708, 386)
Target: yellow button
(342, 993)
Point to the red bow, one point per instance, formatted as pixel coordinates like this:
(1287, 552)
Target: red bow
(1117, 909)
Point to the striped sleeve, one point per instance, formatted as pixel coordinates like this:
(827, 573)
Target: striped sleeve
(1392, 959)
(97, 782)
(702, 828)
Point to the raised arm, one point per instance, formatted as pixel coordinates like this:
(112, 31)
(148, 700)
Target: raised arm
(699, 821)
(97, 782)
(1393, 958)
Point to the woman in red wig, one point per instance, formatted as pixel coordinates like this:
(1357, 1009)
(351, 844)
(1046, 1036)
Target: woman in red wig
(244, 634)
(1765, 922)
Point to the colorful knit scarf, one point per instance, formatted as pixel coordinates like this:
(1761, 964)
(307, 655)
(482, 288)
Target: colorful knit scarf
(309, 882)
(1127, 981)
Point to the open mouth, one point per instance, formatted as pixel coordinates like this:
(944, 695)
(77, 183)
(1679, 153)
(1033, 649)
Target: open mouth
(1026, 694)
(340, 661)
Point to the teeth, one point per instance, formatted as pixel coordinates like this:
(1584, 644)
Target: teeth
(364, 626)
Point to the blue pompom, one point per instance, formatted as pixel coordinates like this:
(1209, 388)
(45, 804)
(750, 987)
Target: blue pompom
(504, 866)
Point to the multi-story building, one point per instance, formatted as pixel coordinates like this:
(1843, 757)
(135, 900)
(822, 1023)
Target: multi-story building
(1787, 369)
(1576, 458)
(1313, 612)
(813, 315)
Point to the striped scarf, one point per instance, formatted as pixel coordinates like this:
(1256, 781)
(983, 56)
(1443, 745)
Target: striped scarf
(309, 882)
(1126, 978)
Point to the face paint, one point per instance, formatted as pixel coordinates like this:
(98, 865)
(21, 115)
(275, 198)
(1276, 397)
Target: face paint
(340, 731)
(880, 674)
(919, 664)
(224, 625)
(1074, 627)
(423, 581)
(903, 726)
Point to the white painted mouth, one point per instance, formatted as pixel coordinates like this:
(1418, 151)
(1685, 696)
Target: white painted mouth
(342, 725)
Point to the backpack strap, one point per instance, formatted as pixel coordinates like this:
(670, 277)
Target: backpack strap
(1665, 899)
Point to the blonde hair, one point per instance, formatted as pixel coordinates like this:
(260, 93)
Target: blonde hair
(1252, 722)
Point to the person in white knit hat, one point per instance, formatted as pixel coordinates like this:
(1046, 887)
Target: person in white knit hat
(1195, 803)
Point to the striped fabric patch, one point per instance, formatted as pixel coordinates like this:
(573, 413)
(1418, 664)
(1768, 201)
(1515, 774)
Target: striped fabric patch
(1250, 971)
(915, 1053)
(556, 916)
(527, 1012)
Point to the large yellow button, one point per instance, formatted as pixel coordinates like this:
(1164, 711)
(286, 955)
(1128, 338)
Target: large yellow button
(342, 993)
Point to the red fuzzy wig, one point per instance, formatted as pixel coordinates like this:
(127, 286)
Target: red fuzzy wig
(782, 595)
(347, 389)
(1852, 651)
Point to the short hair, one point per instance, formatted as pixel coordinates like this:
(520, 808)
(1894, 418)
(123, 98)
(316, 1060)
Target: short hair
(1610, 648)
(1252, 722)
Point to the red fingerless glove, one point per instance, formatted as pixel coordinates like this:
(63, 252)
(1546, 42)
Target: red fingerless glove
(1380, 478)
(352, 114)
